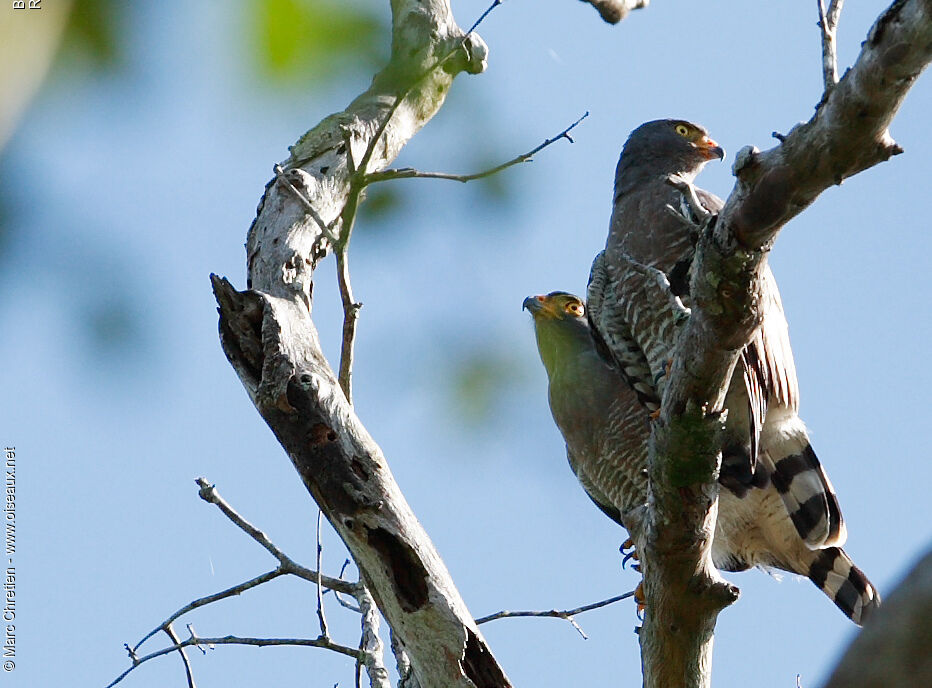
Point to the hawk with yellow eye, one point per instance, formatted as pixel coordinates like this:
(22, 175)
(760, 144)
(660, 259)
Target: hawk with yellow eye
(606, 428)
(766, 441)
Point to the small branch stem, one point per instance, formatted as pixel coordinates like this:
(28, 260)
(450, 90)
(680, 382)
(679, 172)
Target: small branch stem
(566, 614)
(209, 494)
(210, 599)
(193, 641)
(828, 24)
(184, 655)
(410, 173)
(363, 164)
(324, 633)
(350, 319)
(373, 650)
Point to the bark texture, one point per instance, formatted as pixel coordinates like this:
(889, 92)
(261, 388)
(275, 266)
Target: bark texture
(847, 134)
(269, 338)
(895, 649)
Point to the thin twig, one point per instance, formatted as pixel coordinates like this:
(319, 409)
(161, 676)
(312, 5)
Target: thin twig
(324, 633)
(482, 16)
(828, 24)
(410, 173)
(193, 641)
(184, 655)
(402, 661)
(347, 216)
(324, 227)
(350, 316)
(209, 599)
(363, 164)
(344, 603)
(566, 614)
(209, 494)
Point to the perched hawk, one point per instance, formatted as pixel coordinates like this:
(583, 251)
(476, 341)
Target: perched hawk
(766, 439)
(606, 428)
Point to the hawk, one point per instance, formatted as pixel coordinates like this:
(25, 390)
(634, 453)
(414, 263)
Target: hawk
(606, 428)
(766, 439)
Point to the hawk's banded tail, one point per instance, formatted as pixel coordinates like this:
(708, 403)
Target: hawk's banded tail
(798, 476)
(833, 572)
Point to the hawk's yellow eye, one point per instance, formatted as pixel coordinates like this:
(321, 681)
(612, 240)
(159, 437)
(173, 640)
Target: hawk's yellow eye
(682, 130)
(575, 308)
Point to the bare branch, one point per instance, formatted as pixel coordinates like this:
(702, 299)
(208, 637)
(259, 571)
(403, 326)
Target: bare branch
(828, 24)
(373, 650)
(344, 603)
(613, 11)
(189, 674)
(351, 309)
(210, 599)
(194, 641)
(210, 494)
(409, 173)
(324, 633)
(363, 166)
(566, 614)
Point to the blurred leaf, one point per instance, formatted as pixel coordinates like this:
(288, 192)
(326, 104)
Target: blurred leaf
(382, 201)
(112, 324)
(480, 382)
(315, 38)
(92, 30)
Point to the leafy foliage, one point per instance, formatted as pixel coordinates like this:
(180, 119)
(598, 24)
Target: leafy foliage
(315, 38)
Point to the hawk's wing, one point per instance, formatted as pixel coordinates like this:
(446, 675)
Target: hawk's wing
(595, 494)
(613, 337)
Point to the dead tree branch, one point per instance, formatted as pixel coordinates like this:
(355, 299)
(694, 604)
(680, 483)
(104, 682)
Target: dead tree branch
(828, 25)
(566, 614)
(209, 493)
(195, 641)
(411, 173)
(269, 338)
(188, 672)
(847, 134)
(286, 567)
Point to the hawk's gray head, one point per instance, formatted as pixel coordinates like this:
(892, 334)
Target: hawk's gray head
(665, 147)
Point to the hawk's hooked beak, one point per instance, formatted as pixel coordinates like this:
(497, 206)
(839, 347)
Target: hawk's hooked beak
(534, 304)
(710, 149)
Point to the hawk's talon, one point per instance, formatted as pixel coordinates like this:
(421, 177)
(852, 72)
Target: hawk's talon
(640, 600)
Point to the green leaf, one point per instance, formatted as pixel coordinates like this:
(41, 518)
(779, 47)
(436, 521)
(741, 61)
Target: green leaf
(92, 31)
(315, 38)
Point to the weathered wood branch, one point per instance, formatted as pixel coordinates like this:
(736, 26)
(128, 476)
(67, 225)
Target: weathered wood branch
(847, 134)
(269, 338)
(274, 349)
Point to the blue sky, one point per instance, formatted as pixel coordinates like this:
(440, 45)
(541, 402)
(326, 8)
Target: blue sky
(125, 190)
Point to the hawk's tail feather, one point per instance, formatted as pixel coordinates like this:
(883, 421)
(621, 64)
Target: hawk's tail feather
(835, 574)
(807, 492)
